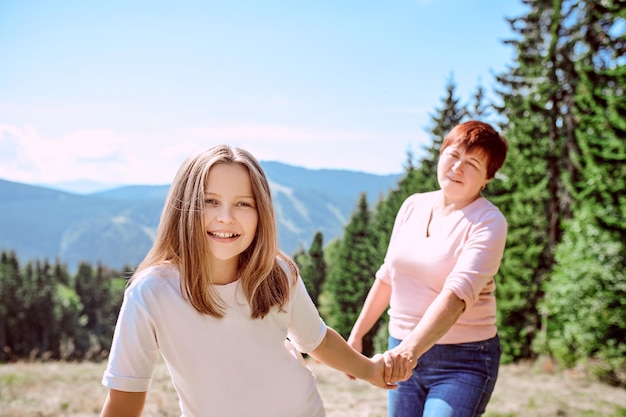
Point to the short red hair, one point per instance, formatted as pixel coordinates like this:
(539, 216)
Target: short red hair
(474, 135)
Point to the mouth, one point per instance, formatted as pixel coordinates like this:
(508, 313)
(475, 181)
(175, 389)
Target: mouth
(222, 235)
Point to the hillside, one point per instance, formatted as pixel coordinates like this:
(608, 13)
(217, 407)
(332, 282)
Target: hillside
(116, 227)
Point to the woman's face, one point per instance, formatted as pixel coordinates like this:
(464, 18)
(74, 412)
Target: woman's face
(462, 174)
(230, 212)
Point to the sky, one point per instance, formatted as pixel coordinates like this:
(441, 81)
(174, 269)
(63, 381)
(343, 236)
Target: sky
(121, 92)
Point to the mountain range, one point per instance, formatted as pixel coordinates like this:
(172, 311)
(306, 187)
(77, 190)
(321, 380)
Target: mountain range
(116, 227)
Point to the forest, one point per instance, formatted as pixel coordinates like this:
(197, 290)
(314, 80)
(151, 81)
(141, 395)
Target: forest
(561, 288)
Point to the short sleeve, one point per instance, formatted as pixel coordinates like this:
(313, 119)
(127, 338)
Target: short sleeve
(134, 350)
(306, 328)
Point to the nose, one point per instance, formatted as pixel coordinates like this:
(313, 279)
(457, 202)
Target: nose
(225, 215)
(457, 165)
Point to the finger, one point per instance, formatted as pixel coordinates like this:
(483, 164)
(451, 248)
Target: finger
(408, 369)
(388, 369)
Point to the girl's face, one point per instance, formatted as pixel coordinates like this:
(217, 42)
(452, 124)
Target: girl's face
(461, 174)
(230, 212)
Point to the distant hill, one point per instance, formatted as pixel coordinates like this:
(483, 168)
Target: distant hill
(116, 227)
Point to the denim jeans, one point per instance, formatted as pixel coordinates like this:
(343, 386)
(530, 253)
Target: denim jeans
(449, 381)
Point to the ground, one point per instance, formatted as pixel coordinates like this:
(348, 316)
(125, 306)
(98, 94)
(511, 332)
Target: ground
(55, 389)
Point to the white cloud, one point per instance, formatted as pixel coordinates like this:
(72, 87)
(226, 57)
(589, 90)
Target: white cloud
(113, 157)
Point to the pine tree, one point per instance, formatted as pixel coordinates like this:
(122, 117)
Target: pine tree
(537, 93)
(315, 269)
(420, 176)
(584, 299)
(479, 109)
(350, 278)
(445, 118)
(10, 308)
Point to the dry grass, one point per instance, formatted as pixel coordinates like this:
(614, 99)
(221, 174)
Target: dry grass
(74, 390)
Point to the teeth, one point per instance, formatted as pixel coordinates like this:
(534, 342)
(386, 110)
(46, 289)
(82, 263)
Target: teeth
(223, 235)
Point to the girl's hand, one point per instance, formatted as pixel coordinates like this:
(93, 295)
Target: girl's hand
(381, 367)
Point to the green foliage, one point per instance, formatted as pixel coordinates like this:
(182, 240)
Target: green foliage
(45, 313)
(561, 286)
(315, 269)
(351, 276)
(535, 197)
(585, 299)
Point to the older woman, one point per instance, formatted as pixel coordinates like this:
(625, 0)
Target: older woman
(438, 281)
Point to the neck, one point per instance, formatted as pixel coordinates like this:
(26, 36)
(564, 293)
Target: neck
(448, 205)
(224, 272)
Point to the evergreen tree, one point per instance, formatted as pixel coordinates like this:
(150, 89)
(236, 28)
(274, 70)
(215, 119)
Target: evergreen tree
(315, 269)
(42, 314)
(350, 279)
(584, 299)
(445, 118)
(301, 258)
(537, 94)
(10, 308)
(420, 177)
(479, 109)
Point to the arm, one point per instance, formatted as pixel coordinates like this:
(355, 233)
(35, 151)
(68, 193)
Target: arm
(440, 316)
(473, 270)
(123, 404)
(374, 306)
(336, 353)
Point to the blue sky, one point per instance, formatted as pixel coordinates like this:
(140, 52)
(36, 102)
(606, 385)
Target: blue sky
(120, 92)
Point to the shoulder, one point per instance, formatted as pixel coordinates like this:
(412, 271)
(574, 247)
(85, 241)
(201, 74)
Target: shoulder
(483, 214)
(420, 198)
(289, 267)
(154, 277)
(417, 202)
(485, 209)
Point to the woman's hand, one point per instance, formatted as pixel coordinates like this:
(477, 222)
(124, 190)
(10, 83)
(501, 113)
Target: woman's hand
(399, 365)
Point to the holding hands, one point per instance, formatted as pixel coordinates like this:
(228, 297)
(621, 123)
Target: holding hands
(389, 367)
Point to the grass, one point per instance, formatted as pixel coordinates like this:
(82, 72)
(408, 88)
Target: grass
(56, 389)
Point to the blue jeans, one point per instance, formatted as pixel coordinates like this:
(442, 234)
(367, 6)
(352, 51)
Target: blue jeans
(449, 381)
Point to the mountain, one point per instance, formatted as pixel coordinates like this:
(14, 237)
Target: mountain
(80, 186)
(116, 227)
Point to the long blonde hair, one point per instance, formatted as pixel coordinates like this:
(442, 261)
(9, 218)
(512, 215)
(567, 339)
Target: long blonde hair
(181, 238)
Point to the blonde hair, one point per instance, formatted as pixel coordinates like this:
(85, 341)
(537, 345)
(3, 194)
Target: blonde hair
(181, 238)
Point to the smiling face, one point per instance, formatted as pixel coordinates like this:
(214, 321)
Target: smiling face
(230, 213)
(461, 174)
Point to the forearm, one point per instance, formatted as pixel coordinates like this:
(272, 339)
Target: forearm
(336, 353)
(123, 404)
(438, 319)
(375, 304)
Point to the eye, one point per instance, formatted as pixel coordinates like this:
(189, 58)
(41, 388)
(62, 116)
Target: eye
(244, 204)
(210, 201)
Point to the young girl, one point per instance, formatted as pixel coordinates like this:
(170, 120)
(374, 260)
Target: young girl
(223, 306)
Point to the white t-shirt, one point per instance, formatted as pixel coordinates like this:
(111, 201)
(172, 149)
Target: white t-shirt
(234, 366)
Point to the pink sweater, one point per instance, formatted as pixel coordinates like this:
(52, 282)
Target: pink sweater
(464, 256)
